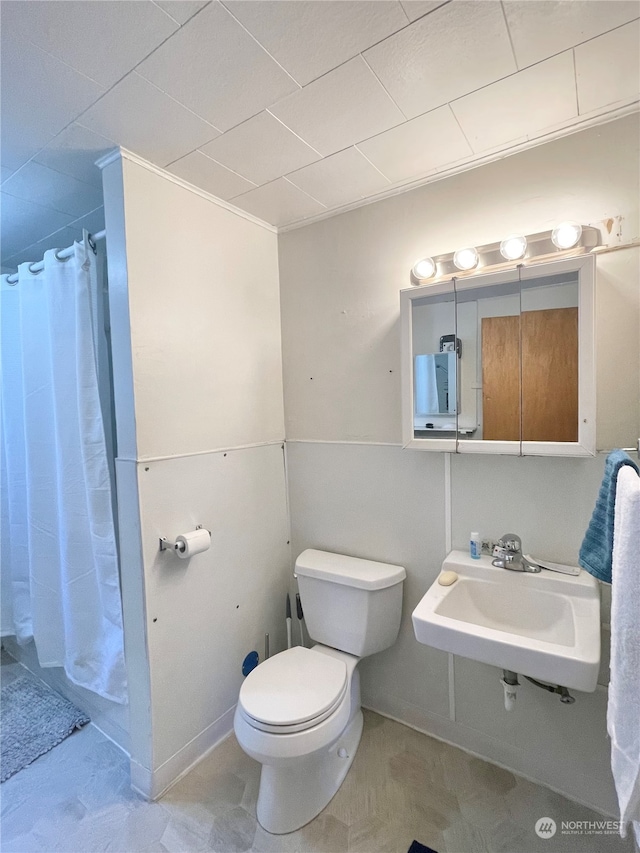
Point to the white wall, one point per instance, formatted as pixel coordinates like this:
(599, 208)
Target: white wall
(197, 363)
(353, 489)
(340, 278)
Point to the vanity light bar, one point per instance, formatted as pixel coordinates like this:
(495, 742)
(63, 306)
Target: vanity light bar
(567, 238)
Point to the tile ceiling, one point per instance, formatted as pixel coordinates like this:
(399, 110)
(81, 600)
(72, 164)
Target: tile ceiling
(290, 109)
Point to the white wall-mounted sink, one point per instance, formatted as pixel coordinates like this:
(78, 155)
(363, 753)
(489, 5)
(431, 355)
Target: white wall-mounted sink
(545, 625)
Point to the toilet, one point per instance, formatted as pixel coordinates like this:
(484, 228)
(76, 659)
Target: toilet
(299, 713)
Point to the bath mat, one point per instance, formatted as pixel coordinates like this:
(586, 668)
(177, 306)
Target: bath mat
(34, 720)
(416, 847)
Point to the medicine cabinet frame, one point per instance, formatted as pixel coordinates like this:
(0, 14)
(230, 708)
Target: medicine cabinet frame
(584, 266)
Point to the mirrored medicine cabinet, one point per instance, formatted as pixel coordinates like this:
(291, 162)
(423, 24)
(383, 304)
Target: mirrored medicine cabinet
(502, 362)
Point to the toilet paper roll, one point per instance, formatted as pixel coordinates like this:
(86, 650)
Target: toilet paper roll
(194, 542)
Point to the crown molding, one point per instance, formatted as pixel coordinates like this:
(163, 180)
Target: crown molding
(121, 153)
(109, 157)
(467, 165)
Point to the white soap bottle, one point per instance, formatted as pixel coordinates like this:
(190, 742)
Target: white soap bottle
(475, 545)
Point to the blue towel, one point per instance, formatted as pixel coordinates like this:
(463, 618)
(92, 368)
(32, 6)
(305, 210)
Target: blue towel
(596, 551)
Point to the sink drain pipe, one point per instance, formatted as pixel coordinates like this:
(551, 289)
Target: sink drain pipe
(510, 684)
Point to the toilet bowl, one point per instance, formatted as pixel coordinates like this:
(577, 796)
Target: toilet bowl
(305, 742)
(298, 713)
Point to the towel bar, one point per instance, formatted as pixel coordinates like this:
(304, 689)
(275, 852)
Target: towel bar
(635, 449)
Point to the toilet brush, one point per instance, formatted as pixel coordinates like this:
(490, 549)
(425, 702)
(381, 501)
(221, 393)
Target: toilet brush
(288, 621)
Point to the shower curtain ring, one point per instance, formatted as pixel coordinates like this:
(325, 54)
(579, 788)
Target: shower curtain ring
(59, 257)
(33, 272)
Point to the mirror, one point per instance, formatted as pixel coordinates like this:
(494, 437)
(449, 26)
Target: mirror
(433, 397)
(502, 362)
(434, 384)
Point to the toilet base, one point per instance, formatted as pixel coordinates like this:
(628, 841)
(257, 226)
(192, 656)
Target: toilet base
(292, 795)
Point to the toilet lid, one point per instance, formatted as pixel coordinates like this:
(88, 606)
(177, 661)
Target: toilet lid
(293, 687)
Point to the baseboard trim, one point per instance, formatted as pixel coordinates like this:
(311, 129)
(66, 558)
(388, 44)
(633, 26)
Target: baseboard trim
(153, 784)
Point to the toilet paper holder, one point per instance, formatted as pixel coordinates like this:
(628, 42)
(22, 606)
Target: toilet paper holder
(167, 545)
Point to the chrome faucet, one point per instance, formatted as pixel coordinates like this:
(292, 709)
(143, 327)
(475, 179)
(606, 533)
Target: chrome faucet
(507, 554)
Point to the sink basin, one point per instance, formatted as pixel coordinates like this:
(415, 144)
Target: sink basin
(545, 625)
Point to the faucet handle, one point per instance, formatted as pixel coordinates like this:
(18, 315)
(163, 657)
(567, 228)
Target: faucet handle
(511, 542)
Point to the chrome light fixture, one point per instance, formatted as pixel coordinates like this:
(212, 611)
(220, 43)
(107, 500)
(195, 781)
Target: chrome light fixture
(566, 235)
(513, 248)
(424, 269)
(466, 259)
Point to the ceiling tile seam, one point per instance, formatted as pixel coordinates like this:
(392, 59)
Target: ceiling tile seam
(207, 122)
(462, 131)
(335, 67)
(176, 101)
(384, 88)
(33, 156)
(395, 32)
(373, 165)
(52, 234)
(132, 70)
(431, 11)
(222, 166)
(51, 169)
(329, 156)
(158, 46)
(273, 181)
(440, 174)
(575, 81)
(479, 89)
(506, 23)
(37, 204)
(102, 85)
(260, 45)
(340, 64)
(313, 198)
(61, 61)
(404, 11)
(58, 170)
(579, 44)
(164, 11)
(169, 15)
(297, 135)
(343, 62)
(34, 159)
(449, 104)
(106, 92)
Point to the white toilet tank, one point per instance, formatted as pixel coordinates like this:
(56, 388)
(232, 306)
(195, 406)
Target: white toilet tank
(350, 604)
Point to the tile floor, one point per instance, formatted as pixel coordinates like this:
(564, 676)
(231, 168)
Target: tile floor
(402, 785)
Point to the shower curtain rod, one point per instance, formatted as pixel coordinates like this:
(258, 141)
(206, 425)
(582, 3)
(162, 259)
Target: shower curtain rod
(61, 255)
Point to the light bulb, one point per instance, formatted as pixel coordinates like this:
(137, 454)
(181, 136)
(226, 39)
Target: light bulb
(465, 259)
(566, 235)
(426, 268)
(513, 247)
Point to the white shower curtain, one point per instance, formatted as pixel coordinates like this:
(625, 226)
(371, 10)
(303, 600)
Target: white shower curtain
(59, 560)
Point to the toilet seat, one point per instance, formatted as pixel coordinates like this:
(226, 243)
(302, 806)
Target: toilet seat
(293, 691)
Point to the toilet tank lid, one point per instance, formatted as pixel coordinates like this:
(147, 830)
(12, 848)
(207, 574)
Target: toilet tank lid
(350, 571)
